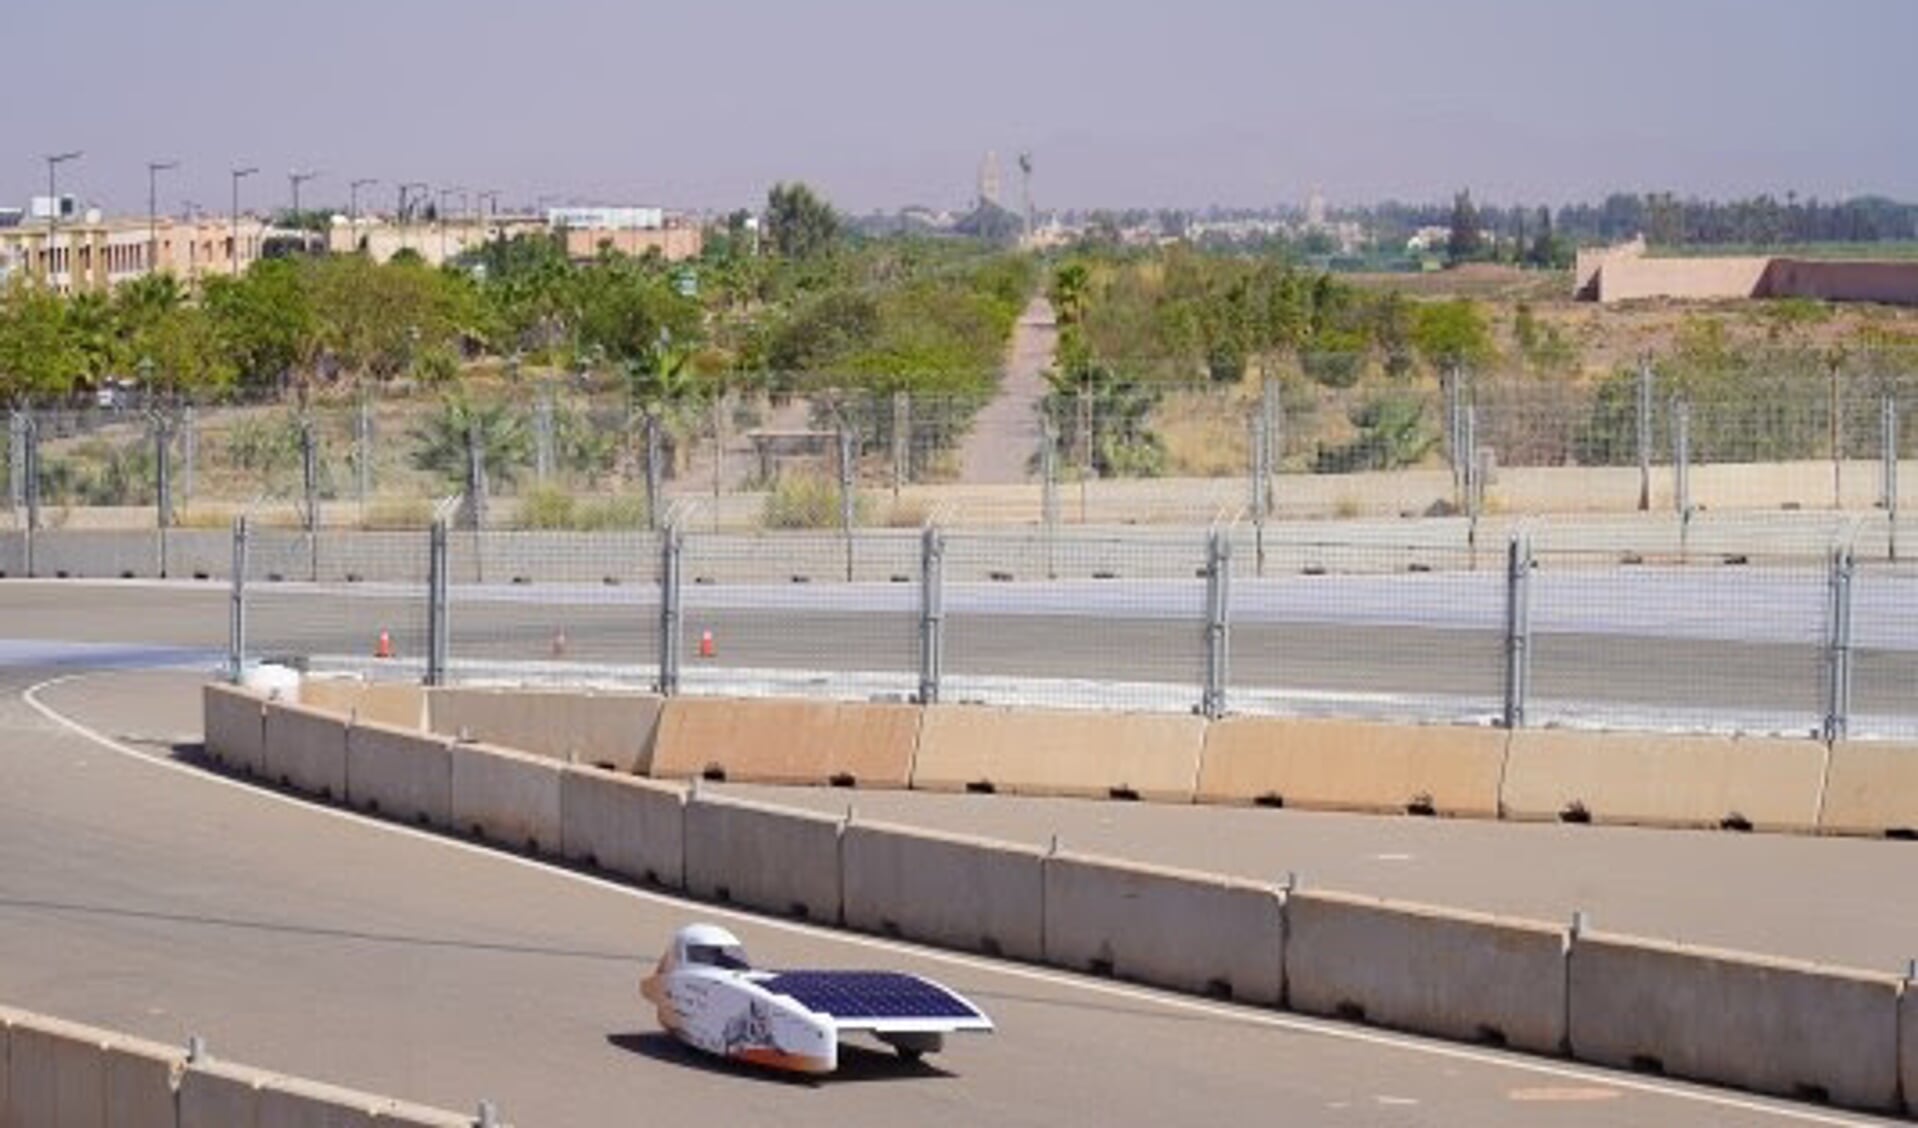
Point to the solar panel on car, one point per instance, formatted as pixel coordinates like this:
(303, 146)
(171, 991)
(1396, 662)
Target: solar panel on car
(869, 994)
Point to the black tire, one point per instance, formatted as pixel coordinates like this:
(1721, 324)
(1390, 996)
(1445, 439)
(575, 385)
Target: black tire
(910, 1054)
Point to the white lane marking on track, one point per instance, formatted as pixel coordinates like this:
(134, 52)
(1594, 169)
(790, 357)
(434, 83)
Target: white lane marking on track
(1310, 1027)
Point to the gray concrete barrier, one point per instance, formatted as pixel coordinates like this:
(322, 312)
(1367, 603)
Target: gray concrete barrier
(1770, 1026)
(403, 775)
(13, 554)
(763, 857)
(1169, 928)
(289, 1102)
(1456, 975)
(400, 704)
(140, 1083)
(219, 1094)
(965, 893)
(613, 730)
(305, 749)
(199, 554)
(624, 824)
(1908, 1045)
(505, 796)
(96, 554)
(57, 1074)
(399, 1114)
(235, 724)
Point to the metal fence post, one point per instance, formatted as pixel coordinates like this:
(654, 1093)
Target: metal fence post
(847, 488)
(476, 486)
(363, 453)
(1645, 434)
(1518, 629)
(1454, 439)
(1261, 477)
(901, 440)
(543, 437)
(932, 613)
(671, 637)
(652, 470)
(1888, 491)
(162, 472)
(16, 461)
(1218, 599)
(1838, 646)
(436, 604)
(236, 610)
(1049, 493)
(189, 452)
(1682, 471)
(31, 486)
(310, 473)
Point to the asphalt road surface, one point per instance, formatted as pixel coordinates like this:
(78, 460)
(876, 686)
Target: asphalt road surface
(150, 897)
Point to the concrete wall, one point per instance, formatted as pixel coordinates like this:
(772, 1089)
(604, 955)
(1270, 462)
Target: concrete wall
(58, 1074)
(1058, 752)
(611, 730)
(787, 741)
(1353, 765)
(1170, 928)
(1466, 976)
(406, 776)
(1647, 778)
(1889, 283)
(1771, 1026)
(1872, 788)
(400, 704)
(985, 896)
(623, 824)
(506, 797)
(763, 857)
(305, 749)
(235, 726)
(1685, 279)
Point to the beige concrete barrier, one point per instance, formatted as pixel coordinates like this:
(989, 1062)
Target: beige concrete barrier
(1169, 928)
(1457, 975)
(235, 724)
(1353, 765)
(400, 704)
(305, 750)
(966, 893)
(289, 1102)
(1745, 782)
(612, 730)
(1771, 1026)
(57, 1074)
(763, 857)
(505, 796)
(1872, 788)
(399, 1114)
(787, 741)
(219, 1094)
(140, 1083)
(403, 775)
(7, 1018)
(1058, 752)
(624, 824)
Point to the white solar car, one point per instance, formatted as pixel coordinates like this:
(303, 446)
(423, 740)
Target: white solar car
(710, 997)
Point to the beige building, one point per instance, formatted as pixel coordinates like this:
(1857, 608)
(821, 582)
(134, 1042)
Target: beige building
(93, 255)
(1627, 273)
(439, 243)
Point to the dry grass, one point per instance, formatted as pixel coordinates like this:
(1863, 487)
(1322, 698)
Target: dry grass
(1205, 435)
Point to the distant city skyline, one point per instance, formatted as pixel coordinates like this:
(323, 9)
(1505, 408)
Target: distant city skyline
(880, 105)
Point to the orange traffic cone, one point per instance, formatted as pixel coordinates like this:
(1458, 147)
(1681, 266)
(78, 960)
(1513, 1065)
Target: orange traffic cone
(385, 647)
(559, 644)
(705, 644)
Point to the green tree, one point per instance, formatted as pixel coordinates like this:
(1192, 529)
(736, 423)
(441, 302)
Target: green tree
(265, 320)
(38, 354)
(443, 442)
(1453, 334)
(800, 225)
(1467, 240)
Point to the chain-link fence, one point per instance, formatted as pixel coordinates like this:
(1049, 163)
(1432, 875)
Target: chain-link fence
(1773, 626)
(1336, 436)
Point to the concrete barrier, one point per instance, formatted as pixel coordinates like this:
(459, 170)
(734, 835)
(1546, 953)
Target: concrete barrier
(1771, 1026)
(140, 1083)
(1058, 752)
(218, 1094)
(7, 1018)
(1743, 782)
(763, 857)
(1871, 788)
(1353, 765)
(235, 724)
(623, 824)
(1908, 1044)
(1169, 928)
(965, 893)
(505, 796)
(403, 775)
(289, 1102)
(399, 1114)
(1457, 975)
(57, 1074)
(193, 554)
(96, 554)
(400, 704)
(306, 750)
(789, 741)
(13, 554)
(613, 730)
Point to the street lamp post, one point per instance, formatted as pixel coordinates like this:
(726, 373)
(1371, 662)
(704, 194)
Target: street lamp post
(54, 161)
(409, 187)
(296, 179)
(154, 168)
(353, 209)
(239, 174)
(440, 215)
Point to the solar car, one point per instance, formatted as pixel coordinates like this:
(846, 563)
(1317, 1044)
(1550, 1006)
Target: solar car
(709, 996)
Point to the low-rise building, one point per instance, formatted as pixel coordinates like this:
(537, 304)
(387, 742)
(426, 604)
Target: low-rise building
(94, 254)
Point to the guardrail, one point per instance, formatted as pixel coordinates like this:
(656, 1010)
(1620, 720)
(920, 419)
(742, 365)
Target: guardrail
(1798, 1030)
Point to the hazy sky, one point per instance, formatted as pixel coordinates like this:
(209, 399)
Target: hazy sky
(880, 103)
